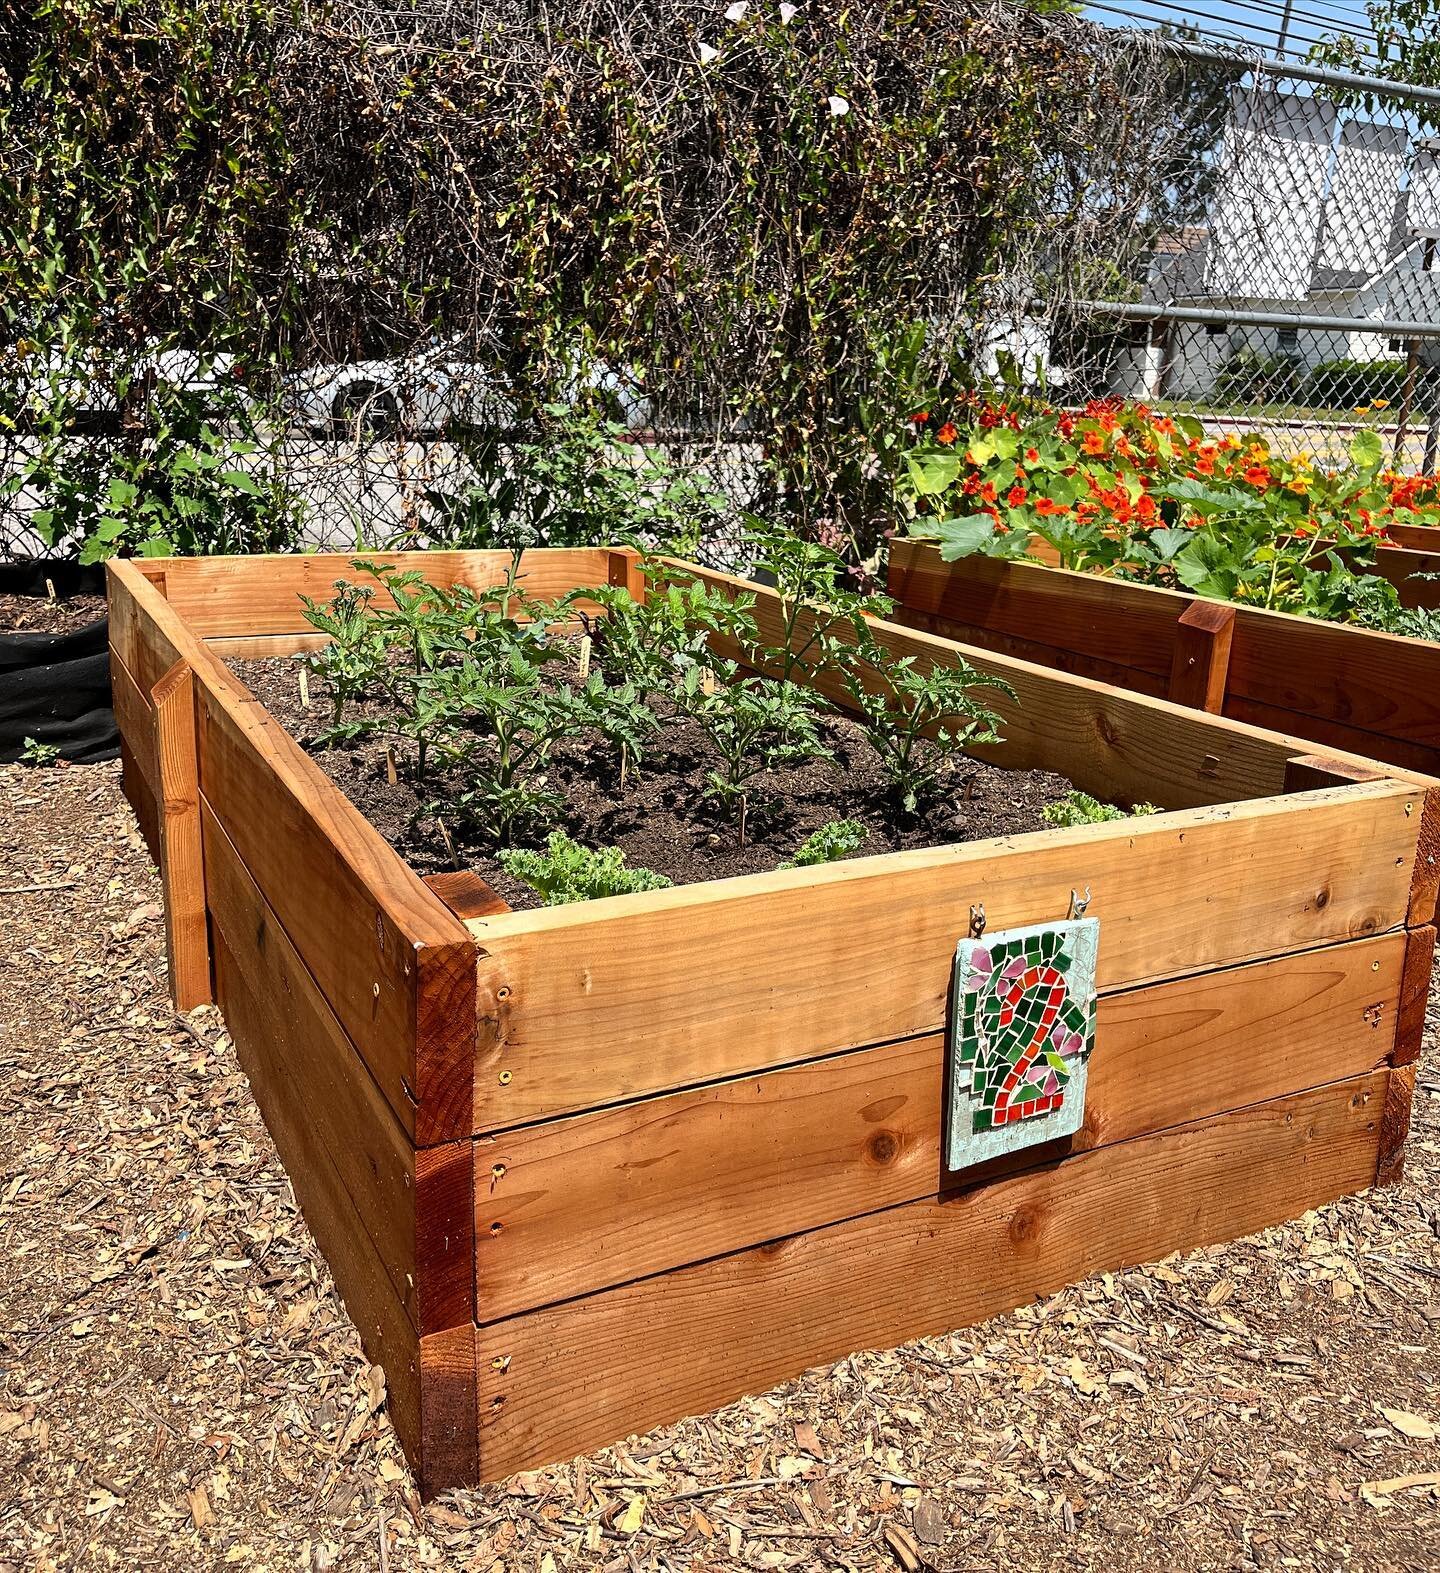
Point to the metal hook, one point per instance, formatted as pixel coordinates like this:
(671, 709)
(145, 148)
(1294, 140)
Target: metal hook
(977, 920)
(1078, 903)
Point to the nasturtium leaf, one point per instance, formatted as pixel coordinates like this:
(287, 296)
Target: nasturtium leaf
(963, 537)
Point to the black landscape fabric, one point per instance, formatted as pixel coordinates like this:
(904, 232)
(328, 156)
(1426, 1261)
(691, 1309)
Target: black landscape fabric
(56, 687)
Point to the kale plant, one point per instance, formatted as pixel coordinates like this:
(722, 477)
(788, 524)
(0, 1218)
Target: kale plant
(1079, 808)
(567, 871)
(836, 839)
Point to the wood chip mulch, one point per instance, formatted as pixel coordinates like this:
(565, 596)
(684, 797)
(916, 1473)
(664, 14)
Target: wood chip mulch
(180, 1387)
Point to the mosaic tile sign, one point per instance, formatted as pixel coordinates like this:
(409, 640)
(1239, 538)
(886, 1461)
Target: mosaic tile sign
(1024, 1025)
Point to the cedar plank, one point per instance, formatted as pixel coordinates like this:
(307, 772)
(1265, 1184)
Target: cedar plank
(449, 1445)
(678, 1178)
(386, 1331)
(252, 597)
(775, 968)
(556, 1382)
(303, 1068)
(1395, 1125)
(182, 868)
(382, 949)
(1414, 995)
(1201, 658)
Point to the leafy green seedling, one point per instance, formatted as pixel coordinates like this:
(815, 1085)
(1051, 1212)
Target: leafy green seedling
(39, 755)
(1079, 808)
(567, 871)
(832, 841)
(353, 663)
(917, 719)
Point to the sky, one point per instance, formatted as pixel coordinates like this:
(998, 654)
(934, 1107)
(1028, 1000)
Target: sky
(1252, 22)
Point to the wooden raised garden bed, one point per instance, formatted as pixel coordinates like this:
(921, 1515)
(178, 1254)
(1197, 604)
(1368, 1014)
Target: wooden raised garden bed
(581, 1170)
(1370, 693)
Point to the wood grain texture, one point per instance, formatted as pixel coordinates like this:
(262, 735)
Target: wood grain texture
(253, 597)
(1123, 747)
(444, 1205)
(1425, 881)
(556, 1382)
(466, 894)
(449, 1445)
(182, 864)
(361, 1275)
(1402, 567)
(135, 717)
(1200, 660)
(303, 1068)
(1414, 995)
(1313, 772)
(1068, 611)
(626, 571)
(771, 969)
(141, 800)
(1077, 663)
(1395, 1125)
(391, 961)
(678, 1178)
(1373, 694)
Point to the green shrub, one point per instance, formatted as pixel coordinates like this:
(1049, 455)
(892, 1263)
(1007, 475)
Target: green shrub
(567, 872)
(1248, 377)
(1353, 384)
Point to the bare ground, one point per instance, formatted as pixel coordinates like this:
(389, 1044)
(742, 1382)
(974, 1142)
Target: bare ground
(180, 1387)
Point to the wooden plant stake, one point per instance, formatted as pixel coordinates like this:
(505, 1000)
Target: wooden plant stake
(304, 688)
(585, 643)
(392, 775)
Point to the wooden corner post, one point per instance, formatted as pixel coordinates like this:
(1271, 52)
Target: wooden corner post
(1200, 663)
(187, 933)
(627, 572)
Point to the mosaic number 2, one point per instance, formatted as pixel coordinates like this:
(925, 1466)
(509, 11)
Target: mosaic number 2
(1022, 1031)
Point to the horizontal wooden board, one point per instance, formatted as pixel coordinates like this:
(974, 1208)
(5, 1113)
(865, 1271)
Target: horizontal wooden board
(557, 1382)
(1396, 752)
(1377, 683)
(675, 1179)
(222, 597)
(1404, 568)
(614, 999)
(360, 1274)
(1109, 622)
(1078, 663)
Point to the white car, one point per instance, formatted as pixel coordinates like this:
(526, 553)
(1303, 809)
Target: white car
(423, 395)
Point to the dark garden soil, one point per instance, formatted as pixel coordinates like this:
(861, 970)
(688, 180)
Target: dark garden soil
(37, 614)
(659, 819)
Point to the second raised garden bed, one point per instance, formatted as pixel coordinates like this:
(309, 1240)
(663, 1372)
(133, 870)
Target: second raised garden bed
(1369, 693)
(581, 1170)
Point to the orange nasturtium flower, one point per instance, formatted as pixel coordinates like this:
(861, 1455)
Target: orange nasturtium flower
(1094, 442)
(947, 434)
(1016, 496)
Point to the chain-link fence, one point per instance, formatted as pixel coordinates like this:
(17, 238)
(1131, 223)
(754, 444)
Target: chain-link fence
(1299, 295)
(1287, 284)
